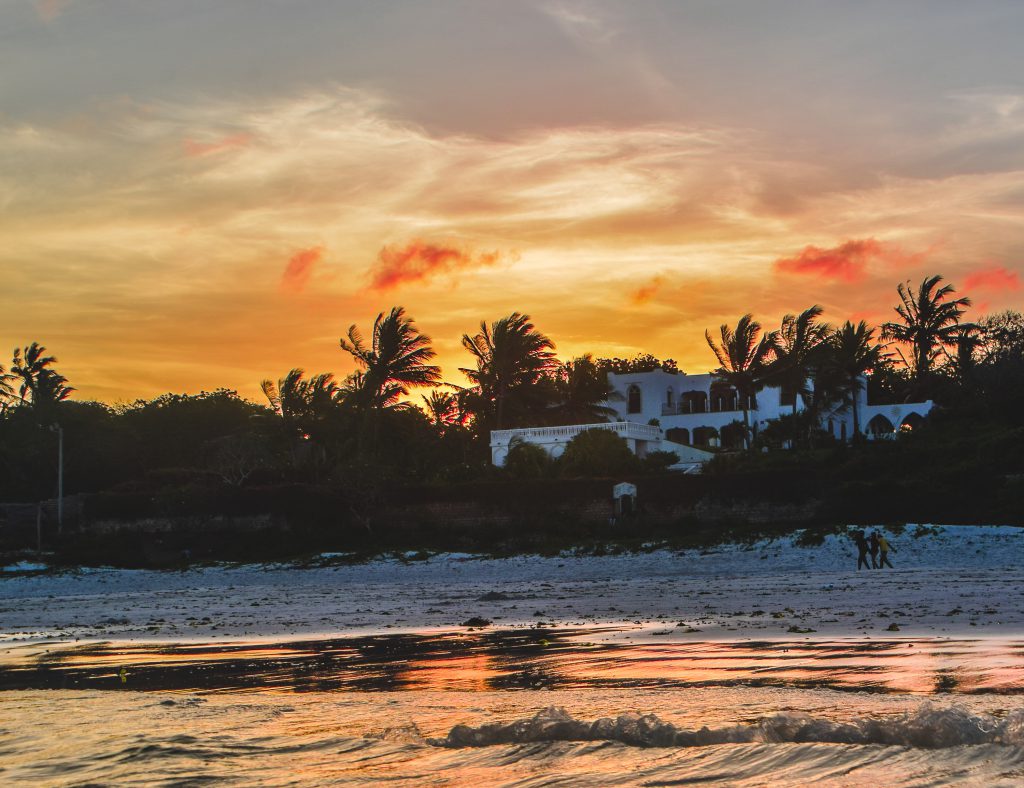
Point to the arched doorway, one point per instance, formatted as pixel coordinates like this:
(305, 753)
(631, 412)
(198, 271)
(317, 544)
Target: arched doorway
(705, 436)
(694, 402)
(880, 427)
(911, 421)
(678, 435)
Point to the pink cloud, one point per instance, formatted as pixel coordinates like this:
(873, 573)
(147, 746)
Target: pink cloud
(847, 262)
(419, 260)
(49, 10)
(995, 277)
(300, 268)
(646, 292)
(194, 148)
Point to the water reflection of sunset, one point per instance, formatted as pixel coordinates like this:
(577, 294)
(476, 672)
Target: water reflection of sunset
(522, 660)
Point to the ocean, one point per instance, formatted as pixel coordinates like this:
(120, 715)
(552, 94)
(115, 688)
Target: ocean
(515, 709)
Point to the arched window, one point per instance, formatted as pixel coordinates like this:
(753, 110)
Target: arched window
(634, 400)
(678, 435)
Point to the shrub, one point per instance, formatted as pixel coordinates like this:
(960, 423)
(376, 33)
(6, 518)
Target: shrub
(597, 452)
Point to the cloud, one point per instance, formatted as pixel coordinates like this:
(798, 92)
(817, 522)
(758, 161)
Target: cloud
(580, 21)
(847, 262)
(994, 277)
(300, 268)
(195, 148)
(419, 260)
(646, 292)
(49, 10)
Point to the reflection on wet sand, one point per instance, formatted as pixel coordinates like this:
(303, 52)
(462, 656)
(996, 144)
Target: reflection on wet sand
(534, 659)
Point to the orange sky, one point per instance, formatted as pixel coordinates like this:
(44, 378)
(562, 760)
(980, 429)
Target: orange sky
(182, 208)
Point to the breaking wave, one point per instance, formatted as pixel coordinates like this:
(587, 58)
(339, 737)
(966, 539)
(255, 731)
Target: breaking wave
(928, 728)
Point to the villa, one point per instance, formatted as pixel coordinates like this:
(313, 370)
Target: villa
(691, 416)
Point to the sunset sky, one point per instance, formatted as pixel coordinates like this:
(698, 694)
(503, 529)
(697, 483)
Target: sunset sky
(197, 194)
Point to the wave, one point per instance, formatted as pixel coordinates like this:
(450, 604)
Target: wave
(928, 728)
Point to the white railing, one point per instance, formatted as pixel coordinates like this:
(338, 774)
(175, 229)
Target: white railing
(625, 429)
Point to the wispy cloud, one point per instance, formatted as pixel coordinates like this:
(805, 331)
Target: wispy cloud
(994, 278)
(419, 260)
(299, 269)
(646, 292)
(847, 262)
(204, 148)
(580, 20)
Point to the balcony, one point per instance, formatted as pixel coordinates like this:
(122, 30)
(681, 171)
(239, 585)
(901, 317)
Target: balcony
(624, 429)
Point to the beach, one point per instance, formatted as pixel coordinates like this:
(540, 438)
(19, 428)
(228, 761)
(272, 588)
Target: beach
(776, 661)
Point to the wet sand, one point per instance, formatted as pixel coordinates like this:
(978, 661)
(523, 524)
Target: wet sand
(507, 660)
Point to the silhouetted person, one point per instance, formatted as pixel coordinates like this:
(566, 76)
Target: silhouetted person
(873, 547)
(884, 547)
(862, 549)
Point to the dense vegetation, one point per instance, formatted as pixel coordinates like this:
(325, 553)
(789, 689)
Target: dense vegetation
(366, 437)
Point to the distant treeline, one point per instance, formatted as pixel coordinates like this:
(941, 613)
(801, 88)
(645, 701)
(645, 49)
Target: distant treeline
(365, 438)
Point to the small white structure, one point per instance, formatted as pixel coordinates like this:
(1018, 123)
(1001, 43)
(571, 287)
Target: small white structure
(624, 495)
(690, 412)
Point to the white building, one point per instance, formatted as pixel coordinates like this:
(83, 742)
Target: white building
(686, 414)
(693, 409)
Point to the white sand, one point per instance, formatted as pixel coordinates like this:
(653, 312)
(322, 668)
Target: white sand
(962, 581)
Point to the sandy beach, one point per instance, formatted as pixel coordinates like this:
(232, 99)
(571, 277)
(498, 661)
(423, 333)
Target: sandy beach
(948, 582)
(740, 665)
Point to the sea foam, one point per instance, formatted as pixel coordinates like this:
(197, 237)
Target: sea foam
(929, 728)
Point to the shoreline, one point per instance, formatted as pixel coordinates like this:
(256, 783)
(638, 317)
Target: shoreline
(955, 582)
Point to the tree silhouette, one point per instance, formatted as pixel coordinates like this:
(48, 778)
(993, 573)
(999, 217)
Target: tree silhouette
(395, 360)
(852, 354)
(6, 389)
(442, 408)
(928, 322)
(797, 350)
(293, 397)
(512, 358)
(581, 390)
(40, 386)
(744, 360)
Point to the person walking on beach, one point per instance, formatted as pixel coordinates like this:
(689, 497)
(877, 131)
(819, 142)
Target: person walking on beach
(884, 547)
(862, 549)
(873, 546)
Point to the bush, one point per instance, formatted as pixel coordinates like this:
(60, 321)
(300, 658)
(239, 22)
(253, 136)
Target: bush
(597, 452)
(527, 461)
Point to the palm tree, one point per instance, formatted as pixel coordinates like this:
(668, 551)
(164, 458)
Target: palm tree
(967, 340)
(512, 358)
(797, 350)
(42, 386)
(582, 391)
(442, 408)
(744, 359)
(852, 354)
(6, 390)
(395, 360)
(294, 397)
(927, 322)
